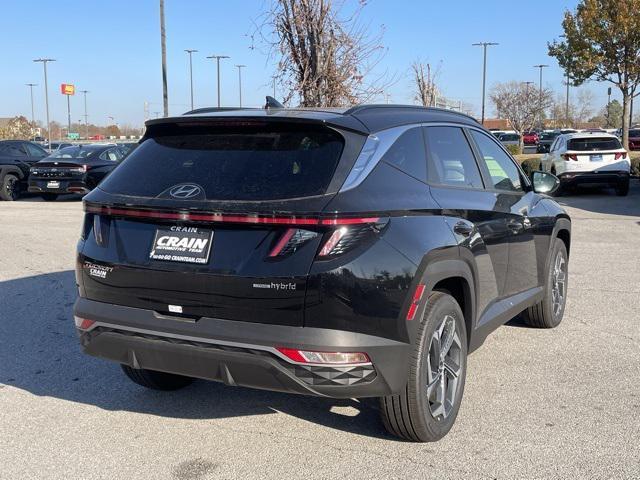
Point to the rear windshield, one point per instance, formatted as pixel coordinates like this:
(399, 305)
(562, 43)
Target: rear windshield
(75, 152)
(593, 144)
(233, 163)
(634, 133)
(548, 136)
(509, 137)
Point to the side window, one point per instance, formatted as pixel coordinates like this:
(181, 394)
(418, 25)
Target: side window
(504, 173)
(13, 150)
(407, 154)
(451, 160)
(34, 151)
(111, 155)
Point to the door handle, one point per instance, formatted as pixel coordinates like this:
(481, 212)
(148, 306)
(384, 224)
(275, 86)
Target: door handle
(515, 226)
(462, 228)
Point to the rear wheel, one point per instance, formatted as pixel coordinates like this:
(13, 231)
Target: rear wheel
(549, 311)
(622, 189)
(427, 408)
(49, 197)
(156, 380)
(9, 187)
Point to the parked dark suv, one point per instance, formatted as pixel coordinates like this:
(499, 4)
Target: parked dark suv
(341, 253)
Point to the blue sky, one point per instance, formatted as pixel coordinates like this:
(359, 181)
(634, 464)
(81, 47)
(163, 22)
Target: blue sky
(112, 49)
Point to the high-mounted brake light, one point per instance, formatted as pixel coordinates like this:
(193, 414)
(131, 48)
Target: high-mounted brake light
(415, 301)
(330, 358)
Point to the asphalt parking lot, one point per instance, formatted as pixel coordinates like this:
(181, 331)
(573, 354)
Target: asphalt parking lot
(561, 403)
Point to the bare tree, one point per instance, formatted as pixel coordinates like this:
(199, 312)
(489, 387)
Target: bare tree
(323, 59)
(520, 104)
(425, 83)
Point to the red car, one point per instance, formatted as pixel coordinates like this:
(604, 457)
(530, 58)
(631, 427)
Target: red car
(634, 139)
(530, 138)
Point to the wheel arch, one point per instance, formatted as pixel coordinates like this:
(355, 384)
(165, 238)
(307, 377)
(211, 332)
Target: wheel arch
(4, 169)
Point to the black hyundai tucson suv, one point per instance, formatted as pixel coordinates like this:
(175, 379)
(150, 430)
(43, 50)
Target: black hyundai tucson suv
(361, 252)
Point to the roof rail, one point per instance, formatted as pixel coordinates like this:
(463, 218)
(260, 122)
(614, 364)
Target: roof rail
(361, 108)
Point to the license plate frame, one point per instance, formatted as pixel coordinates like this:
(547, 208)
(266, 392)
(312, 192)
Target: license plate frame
(182, 245)
(53, 184)
(595, 158)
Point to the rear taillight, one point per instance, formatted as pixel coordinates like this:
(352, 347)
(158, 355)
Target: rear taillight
(345, 238)
(290, 241)
(621, 156)
(570, 156)
(324, 358)
(83, 323)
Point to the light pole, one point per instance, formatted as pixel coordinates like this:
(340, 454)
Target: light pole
(46, 96)
(190, 52)
(609, 107)
(484, 46)
(163, 45)
(218, 57)
(33, 117)
(240, 67)
(540, 96)
(86, 117)
(566, 108)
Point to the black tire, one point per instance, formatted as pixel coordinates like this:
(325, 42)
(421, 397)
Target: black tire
(408, 415)
(543, 314)
(156, 380)
(9, 187)
(49, 197)
(622, 189)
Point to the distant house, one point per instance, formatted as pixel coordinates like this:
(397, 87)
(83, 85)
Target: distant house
(496, 124)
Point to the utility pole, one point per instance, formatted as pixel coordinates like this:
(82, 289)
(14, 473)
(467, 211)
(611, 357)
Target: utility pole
(540, 95)
(217, 58)
(86, 117)
(33, 117)
(484, 46)
(240, 67)
(191, 73)
(566, 109)
(608, 107)
(163, 44)
(46, 96)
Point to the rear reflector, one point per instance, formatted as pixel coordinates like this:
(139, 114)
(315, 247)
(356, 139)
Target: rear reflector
(305, 356)
(83, 323)
(227, 218)
(415, 302)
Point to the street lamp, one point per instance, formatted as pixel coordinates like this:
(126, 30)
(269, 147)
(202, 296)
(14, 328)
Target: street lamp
(240, 67)
(86, 117)
(44, 62)
(33, 117)
(540, 97)
(484, 46)
(191, 73)
(163, 47)
(217, 58)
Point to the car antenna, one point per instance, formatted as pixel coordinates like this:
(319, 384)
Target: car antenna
(272, 103)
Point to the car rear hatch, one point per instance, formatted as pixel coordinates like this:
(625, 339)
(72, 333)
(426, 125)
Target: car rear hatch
(217, 217)
(596, 153)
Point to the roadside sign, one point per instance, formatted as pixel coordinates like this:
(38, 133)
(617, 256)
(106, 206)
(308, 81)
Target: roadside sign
(73, 136)
(68, 89)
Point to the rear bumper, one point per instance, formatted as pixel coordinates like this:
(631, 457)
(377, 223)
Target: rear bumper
(242, 353)
(594, 178)
(64, 186)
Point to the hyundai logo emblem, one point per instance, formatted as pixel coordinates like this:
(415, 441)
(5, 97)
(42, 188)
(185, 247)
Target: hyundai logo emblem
(186, 190)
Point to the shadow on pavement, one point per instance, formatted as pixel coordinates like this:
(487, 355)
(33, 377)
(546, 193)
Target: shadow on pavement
(40, 353)
(604, 200)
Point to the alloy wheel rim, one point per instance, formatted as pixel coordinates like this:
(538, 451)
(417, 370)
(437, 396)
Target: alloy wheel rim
(443, 368)
(558, 287)
(10, 188)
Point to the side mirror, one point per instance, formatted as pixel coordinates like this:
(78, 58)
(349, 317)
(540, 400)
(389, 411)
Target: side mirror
(545, 182)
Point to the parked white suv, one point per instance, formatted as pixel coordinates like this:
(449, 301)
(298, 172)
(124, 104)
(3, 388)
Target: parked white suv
(589, 158)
